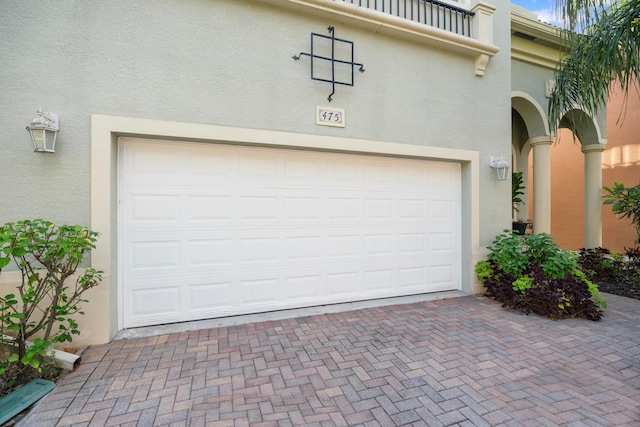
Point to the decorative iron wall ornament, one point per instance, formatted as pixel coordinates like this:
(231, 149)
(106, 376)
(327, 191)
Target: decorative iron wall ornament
(334, 54)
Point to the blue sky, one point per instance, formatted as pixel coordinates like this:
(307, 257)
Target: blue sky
(544, 8)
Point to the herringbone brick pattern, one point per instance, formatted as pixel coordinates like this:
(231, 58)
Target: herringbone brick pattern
(462, 361)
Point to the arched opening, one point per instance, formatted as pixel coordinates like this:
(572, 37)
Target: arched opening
(530, 137)
(563, 190)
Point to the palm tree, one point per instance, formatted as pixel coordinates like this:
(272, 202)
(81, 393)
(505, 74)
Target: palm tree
(603, 42)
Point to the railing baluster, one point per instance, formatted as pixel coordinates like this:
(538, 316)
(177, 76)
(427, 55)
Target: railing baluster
(431, 13)
(443, 12)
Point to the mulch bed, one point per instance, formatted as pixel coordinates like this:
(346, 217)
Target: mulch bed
(623, 288)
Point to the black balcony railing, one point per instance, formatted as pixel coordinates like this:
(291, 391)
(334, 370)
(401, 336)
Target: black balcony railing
(429, 12)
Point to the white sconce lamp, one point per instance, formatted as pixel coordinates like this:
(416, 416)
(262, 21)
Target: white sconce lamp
(501, 166)
(43, 131)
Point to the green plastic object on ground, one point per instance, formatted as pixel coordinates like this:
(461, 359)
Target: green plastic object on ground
(17, 401)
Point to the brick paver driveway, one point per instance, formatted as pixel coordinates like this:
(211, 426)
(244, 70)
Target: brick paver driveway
(462, 361)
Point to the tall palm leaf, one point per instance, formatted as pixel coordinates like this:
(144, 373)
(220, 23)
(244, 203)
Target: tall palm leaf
(604, 46)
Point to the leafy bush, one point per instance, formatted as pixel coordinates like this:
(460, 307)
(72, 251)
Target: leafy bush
(44, 302)
(601, 264)
(632, 265)
(531, 273)
(625, 202)
(633, 257)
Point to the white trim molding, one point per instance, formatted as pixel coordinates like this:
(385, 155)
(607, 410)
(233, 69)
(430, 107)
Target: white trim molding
(533, 41)
(105, 131)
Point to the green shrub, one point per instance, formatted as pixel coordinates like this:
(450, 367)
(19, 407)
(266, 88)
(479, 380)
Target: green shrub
(601, 264)
(531, 273)
(44, 302)
(632, 265)
(624, 202)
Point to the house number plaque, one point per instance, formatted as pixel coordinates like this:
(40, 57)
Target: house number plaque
(326, 116)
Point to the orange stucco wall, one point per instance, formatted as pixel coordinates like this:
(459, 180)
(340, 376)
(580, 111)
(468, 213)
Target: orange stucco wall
(621, 163)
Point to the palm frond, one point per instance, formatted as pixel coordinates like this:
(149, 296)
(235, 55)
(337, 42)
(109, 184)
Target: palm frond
(607, 51)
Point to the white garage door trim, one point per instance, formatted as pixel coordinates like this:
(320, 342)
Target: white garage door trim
(106, 315)
(212, 230)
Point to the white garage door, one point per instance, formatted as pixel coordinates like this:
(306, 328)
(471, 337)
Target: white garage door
(210, 230)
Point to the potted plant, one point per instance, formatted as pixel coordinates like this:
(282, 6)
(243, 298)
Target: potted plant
(517, 186)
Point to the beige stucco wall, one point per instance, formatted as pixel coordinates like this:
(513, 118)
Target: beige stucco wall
(621, 163)
(567, 191)
(227, 64)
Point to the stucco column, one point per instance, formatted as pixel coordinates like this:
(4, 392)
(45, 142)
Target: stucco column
(593, 195)
(541, 183)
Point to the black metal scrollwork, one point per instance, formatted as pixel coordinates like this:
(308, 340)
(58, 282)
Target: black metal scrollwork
(332, 60)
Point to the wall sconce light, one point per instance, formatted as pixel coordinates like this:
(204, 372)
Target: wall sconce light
(501, 166)
(43, 131)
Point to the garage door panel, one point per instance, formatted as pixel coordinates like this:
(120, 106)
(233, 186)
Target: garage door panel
(441, 277)
(380, 173)
(413, 176)
(259, 166)
(303, 208)
(259, 250)
(442, 242)
(411, 209)
(203, 170)
(304, 248)
(303, 171)
(210, 298)
(344, 246)
(264, 292)
(163, 300)
(146, 207)
(412, 278)
(253, 207)
(153, 254)
(147, 162)
(378, 244)
(412, 243)
(344, 285)
(213, 252)
(304, 288)
(215, 230)
(443, 177)
(379, 281)
(205, 207)
(341, 172)
(379, 208)
(343, 208)
(441, 209)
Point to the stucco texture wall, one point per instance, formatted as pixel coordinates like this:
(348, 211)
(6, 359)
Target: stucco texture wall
(620, 163)
(530, 79)
(225, 62)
